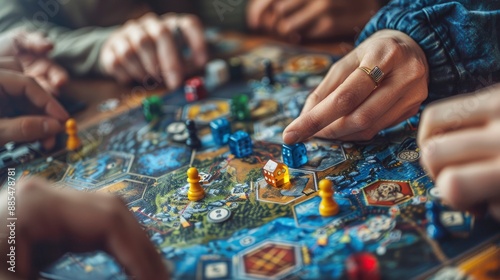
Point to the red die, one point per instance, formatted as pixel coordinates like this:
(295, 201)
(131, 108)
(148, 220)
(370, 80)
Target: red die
(195, 89)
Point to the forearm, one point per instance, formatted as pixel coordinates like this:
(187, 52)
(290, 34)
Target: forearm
(456, 37)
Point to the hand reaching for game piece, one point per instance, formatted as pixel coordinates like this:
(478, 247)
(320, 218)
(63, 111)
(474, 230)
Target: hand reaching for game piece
(51, 222)
(27, 112)
(460, 149)
(146, 48)
(31, 50)
(306, 19)
(346, 106)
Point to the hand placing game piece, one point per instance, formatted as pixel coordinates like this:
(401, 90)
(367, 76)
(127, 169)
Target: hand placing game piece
(406, 54)
(305, 19)
(147, 48)
(458, 138)
(27, 112)
(51, 222)
(350, 105)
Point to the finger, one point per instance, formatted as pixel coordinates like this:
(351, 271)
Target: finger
(128, 58)
(192, 29)
(335, 77)
(57, 76)
(494, 209)
(49, 143)
(387, 120)
(145, 49)
(112, 65)
(256, 12)
(11, 63)
(170, 65)
(131, 247)
(45, 84)
(389, 102)
(347, 97)
(33, 42)
(463, 186)
(28, 129)
(285, 8)
(18, 85)
(47, 73)
(300, 20)
(458, 147)
(459, 112)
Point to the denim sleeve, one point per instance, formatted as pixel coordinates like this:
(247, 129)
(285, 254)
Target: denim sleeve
(460, 40)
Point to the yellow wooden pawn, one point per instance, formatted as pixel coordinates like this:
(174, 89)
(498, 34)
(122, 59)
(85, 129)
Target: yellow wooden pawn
(196, 191)
(328, 206)
(73, 142)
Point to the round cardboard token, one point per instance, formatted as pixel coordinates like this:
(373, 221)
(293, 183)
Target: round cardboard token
(308, 64)
(176, 128)
(181, 137)
(218, 215)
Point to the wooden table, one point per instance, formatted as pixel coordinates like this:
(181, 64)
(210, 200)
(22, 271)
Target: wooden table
(95, 91)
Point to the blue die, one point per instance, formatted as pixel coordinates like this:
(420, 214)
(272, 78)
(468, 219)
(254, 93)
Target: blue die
(221, 130)
(295, 155)
(240, 144)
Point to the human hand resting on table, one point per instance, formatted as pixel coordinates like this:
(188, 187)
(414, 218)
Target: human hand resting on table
(31, 50)
(51, 222)
(146, 48)
(346, 106)
(27, 112)
(460, 149)
(299, 20)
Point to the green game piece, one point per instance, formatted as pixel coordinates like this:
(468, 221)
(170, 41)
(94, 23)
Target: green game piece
(151, 107)
(239, 107)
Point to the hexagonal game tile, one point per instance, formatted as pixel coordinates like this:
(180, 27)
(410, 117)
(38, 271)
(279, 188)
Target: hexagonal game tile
(98, 170)
(387, 193)
(270, 260)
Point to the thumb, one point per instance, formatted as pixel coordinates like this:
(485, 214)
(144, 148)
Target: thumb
(28, 129)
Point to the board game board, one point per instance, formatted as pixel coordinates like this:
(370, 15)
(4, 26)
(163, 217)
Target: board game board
(246, 229)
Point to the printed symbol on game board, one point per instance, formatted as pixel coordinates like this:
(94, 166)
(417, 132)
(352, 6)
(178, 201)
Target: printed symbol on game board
(387, 193)
(409, 155)
(247, 241)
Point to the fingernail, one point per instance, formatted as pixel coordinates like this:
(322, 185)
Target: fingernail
(291, 137)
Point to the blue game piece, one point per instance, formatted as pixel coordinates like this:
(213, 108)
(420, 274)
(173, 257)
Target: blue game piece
(221, 130)
(240, 144)
(434, 228)
(294, 155)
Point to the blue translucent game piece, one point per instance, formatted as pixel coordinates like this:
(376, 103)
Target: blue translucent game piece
(434, 228)
(240, 144)
(221, 130)
(295, 155)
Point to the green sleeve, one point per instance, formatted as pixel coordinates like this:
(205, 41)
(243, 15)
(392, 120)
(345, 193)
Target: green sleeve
(77, 50)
